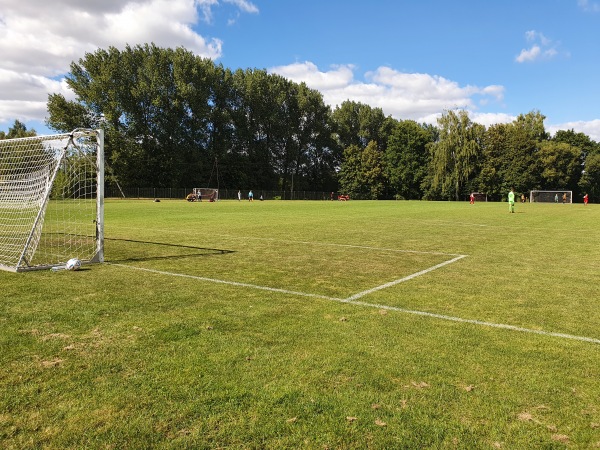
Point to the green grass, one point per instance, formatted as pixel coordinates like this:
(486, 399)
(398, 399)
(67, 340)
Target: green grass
(129, 355)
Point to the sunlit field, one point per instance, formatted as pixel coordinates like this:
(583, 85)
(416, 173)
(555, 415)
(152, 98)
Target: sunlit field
(318, 325)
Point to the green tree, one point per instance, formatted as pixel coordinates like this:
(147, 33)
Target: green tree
(580, 140)
(170, 117)
(359, 124)
(315, 165)
(18, 130)
(521, 168)
(590, 180)
(561, 165)
(455, 156)
(362, 173)
(406, 159)
(495, 147)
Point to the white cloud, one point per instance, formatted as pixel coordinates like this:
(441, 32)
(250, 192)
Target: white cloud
(244, 5)
(24, 95)
(542, 48)
(39, 40)
(591, 128)
(588, 6)
(416, 96)
(338, 77)
(529, 54)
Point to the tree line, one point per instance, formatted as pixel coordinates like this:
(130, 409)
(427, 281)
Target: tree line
(171, 117)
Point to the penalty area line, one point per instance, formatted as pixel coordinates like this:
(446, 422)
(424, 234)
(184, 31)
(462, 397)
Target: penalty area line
(353, 301)
(402, 280)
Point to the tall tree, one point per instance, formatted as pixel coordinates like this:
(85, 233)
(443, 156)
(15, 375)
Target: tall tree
(580, 140)
(18, 130)
(521, 167)
(590, 180)
(561, 165)
(455, 156)
(495, 147)
(359, 124)
(406, 159)
(171, 116)
(362, 174)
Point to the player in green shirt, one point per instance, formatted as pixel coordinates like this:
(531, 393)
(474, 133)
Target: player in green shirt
(511, 201)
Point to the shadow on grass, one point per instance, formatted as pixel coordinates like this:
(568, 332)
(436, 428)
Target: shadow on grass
(194, 251)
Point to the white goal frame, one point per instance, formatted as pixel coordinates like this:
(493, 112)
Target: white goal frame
(542, 196)
(51, 200)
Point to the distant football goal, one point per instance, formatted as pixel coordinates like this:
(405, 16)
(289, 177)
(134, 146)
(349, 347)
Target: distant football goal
(479, 196)
(51, 200)
(206, 194)
(551, 197)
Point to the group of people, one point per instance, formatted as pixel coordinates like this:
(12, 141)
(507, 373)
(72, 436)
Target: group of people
(250, 196)
(564, 198)
(511, 200)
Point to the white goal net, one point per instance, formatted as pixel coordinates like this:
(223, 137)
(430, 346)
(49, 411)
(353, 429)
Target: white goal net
(51, 200)
(206, 194)
(551, 197)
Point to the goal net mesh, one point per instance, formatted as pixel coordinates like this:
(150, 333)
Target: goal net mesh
(207, 194)
(551, 196)
(50, 200)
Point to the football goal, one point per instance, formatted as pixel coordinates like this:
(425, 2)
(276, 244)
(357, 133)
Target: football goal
(551, 197)
(51, 200)
(479, 196)
(206, 194)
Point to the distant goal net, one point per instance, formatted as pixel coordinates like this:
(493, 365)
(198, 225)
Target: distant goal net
(551, 197)
(206, 194)
(479, 196)
(51, 200)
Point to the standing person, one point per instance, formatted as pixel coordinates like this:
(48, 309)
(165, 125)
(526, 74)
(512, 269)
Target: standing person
(472, 199)
(564, 198)
(522, 198)
(250, 196)
(239, 196)
(585, 199)
(511, 201)
(556, 198)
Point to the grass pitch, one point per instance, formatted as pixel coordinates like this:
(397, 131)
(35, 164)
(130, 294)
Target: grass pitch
(312, 325)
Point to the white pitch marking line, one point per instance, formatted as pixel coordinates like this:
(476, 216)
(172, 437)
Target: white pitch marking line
(402, 280)
(373, 305)
(232, 283)
(333, 244)
(475, 322)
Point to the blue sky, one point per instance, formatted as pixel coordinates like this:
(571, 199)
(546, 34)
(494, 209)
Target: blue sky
(413, 59)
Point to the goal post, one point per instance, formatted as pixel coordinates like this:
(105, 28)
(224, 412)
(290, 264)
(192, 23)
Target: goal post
(51, 200)
(540, 196)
